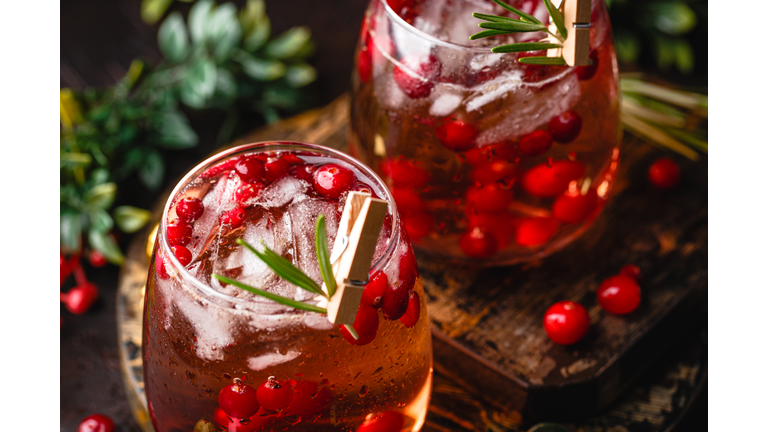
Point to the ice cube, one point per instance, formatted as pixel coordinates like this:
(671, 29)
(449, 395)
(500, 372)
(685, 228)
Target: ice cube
(446, 100)
(284, 191)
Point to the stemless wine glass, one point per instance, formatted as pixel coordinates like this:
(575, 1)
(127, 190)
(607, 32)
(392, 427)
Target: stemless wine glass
(490, 161)
(217, 356)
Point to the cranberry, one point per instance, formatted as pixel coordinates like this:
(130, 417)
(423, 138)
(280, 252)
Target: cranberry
(415, 77)
(234, 424)
(274, 395)
(619, 295)
(234, 218)
(535, 231)
(476, 242)
(304, 172)
(365, 61)
(388, 421)
(395, 300)
(64, 269)
(362, 187)
(500, 225)
(586, 72)
(566, 322)
(507, 152)
(496, 171)
(488, 198)
(250, 169)
(189, 209)
(412, 313)
(162, 273)
(96, 258)
(408, 271)
(179, 232)
(632, 271)
(574, 207)
(408, 201)
(247, 191)
(664, 173)
(182, 254)
(374, 291)
(332, 180)
(80, 298)
(220, 168)
(366, 324)
(404, 173)
(565, 127)
(419, 224)
(308, 399)
(456, 134)
(276, 168)
(536, 143)
(96, 423)
(239, 400)
(292, 159)
(545, 181)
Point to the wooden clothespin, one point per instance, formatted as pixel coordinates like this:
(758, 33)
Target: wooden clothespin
(576, 19)
(352, 253)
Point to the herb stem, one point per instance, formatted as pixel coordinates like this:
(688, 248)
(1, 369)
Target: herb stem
(278, 298)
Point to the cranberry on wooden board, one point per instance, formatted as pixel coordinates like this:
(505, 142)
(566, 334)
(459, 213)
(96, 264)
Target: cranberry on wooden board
(476, 242)
(238, 400)
(536, 143)
(189, 209)
(456, 134)
(565, 127)
(574, 207)
(415, 75)
(366, 324)
(250, 169)
(374, 290)
(388, 421)
(274, 395)
(412, 313)
(96, 258)
(332, 180)
(179, 232)
(664, 173)
(96, 423)
(548, 181)
(535, 231)
(619, 295)
(632, 271)
(566, 322)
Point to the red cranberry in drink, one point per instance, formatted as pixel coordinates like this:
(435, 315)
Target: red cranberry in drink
(374, 291)
(535, 231)
(189, 209)
(182, 254)
(632, 271)
(96, 423)
(304, 172)
(365, 61)
(402, 172)
(619, 295)
(408, 269)
(566, 322)
(366, 324)
(179, 232)
(419, 224)
(478, 243)
(574, 207)
(664, 173)
(500, 225)
(250, 169)
(96, 258)
(498, 170)
(395, 301)
(247, 191)
(565, 127)
(292, 159)
(456, 134)
(274, 395)
(586, 72)
(234, 218)
(308, 400)
(536, 143)
(408, 201)
(234, 424)
(80, 298)
(412, 313)
(275, 168)
(415, 75)
(332, 180)
(545, 181)
(388, 421)
(238, 400)
(488, 198)
(162, 272)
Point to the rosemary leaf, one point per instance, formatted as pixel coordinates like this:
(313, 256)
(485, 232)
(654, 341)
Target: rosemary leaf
(352, 331)
(656, 136)
(543, 61)
(323, 258)
(513, 26)
(491, 18)
(487, 33)
(274, 297)
(557, 18)
(521, 14)
(284, 268)
(525, 46)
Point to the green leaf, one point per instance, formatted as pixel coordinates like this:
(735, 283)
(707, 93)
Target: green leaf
(105, 244)
(512, 26)
(492, 18)
(289, 43)
(543, 61)
(131, 219)
(199, 84)
(256, 38)
(172, 38)
(226, 86)
(251, 15)
(71, 226)
(174, 131)
(300, 75)
(557, 18)
(684, 56)
(674, 18)
(100, 220)
(521, 14)
(259, 69)
(487, 33)
(152, 170)
(525, 46)
(283, 268)
(274, 297)
(323, 257)
(223, 31)
(74, 159)
(102, 195)
(627, 46)
(153, 10)
(198, 19)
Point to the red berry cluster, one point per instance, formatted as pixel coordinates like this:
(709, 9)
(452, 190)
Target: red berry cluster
(80, 298)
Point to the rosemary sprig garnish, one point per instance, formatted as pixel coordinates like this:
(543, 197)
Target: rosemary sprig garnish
(283, 268)
(278, 298)
(323, 257)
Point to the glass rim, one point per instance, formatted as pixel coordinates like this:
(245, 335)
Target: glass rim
(276, 145)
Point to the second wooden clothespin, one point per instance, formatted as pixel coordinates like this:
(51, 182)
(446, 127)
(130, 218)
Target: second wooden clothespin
(358, 233)
(576, 20)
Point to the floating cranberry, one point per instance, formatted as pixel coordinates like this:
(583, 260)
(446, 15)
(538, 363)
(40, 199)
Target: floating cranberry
(478, 243)
(632, 271)
(179, 232)
(182, 254)
(80, 298)
(412, 313)
(535, 231)
(388, 421)
(488, 198)
(275, 168)
(96, 258)
(574, 207)
(332, 180)
(374, 291)
(189, 209)
(247, 191)
(220, 168)
(619, 295)
(506, 151)
(292, 159)
(419, 224)
(545, 181)
(501, 225)
(304, 172)
(496, 171)
(96, 423)
(404, 173)
(238, 400)
(395, 301)
(536, 143)
(456, 134)
(566, 322)
(308, 400)
(408, 271)
(234, 424)
(365, 61)
(250, 169)
(664, 173)
(274, 395)
(565, 127)
(162, 273)
(366, 324)
(586, 72)
(408, 201)
(416, 77)
(234, 218)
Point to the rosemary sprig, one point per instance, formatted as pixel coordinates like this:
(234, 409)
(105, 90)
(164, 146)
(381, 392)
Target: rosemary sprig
(283, 268)
(278, 298)
(323, 257)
